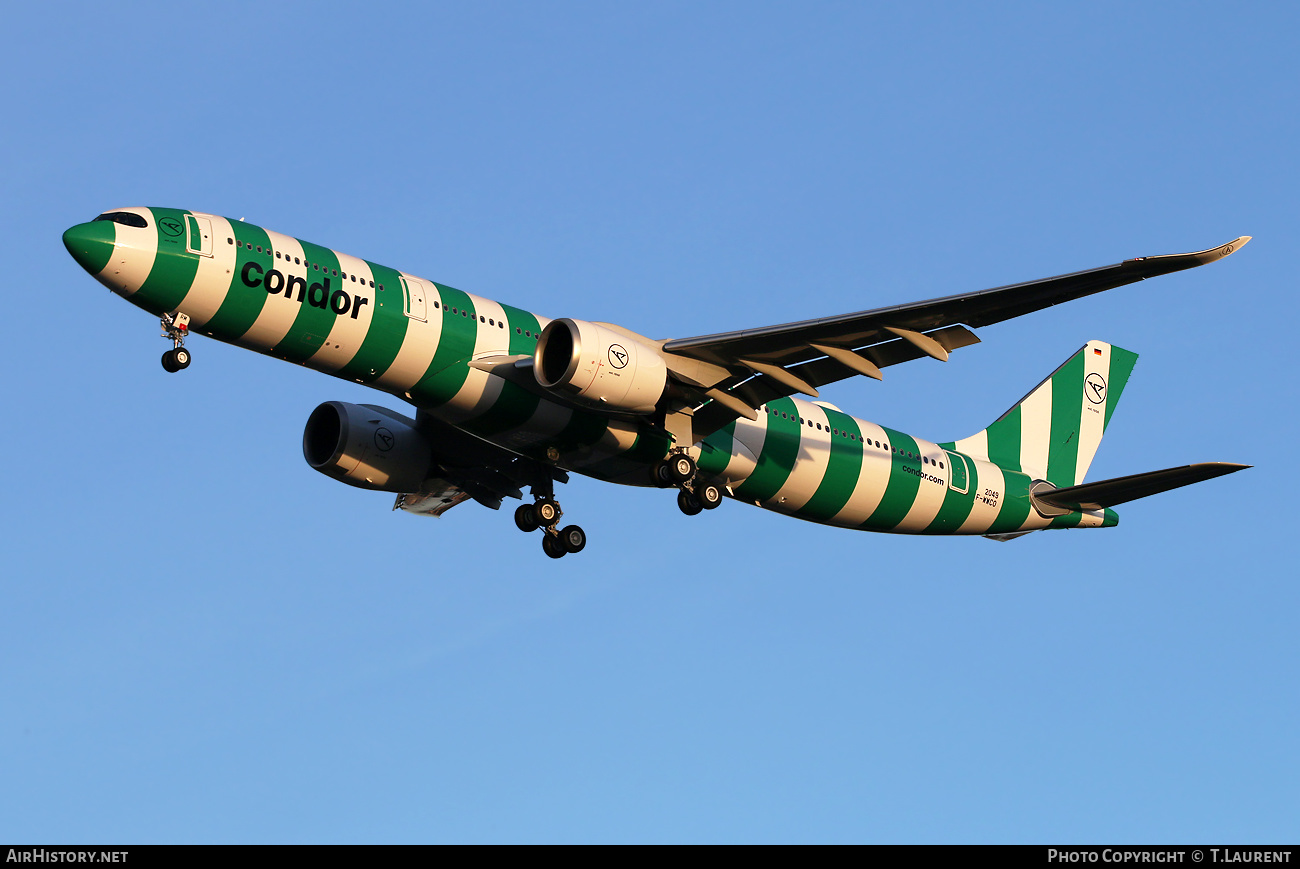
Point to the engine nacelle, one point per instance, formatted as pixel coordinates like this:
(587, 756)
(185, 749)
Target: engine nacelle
(594, 364)
(366, 446)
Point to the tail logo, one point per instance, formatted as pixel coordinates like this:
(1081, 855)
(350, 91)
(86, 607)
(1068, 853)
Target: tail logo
(1095, 388)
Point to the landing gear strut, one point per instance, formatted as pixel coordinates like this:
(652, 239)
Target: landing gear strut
(545, 513)
(175, 329)
(694, 495)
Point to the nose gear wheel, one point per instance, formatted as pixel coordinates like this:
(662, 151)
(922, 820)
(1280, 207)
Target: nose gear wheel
(175, 328)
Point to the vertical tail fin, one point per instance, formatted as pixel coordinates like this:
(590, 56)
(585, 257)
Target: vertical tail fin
(1053, 432)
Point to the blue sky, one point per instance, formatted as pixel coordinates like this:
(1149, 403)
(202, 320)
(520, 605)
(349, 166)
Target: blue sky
(206, 641)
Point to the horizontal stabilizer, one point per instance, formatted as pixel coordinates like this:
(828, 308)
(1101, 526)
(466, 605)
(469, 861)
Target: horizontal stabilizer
(1108, 493)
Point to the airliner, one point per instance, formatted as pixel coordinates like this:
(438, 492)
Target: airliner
(500, 399)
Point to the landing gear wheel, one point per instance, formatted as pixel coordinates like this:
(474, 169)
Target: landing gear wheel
(573, 539)
(681, 468)
(546, 512)
(709, 496)
(525, 519)
(169, 362)
(181, 358)
(552, 547)
(660, 475)
(688, 503)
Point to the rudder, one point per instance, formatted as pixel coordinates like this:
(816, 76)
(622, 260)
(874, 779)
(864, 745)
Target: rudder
(1053, 432)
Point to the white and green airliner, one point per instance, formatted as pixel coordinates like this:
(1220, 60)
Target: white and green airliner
(506, 400)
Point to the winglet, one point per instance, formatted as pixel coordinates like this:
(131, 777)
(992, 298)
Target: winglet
(1200, 257)
(1218, 253)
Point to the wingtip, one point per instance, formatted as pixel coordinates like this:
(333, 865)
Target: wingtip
(1200, 257)
(1218, 469)
(1218, 253)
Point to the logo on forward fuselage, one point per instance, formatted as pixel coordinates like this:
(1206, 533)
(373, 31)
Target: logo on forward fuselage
(318, 295)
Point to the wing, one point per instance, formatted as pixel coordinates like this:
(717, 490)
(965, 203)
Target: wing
(466, 467)
(734, 372)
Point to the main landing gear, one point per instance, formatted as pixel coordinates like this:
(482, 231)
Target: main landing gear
(545, 513)
(693, 495)
(175, 329)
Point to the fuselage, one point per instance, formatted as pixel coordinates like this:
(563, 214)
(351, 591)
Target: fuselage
(415, 339)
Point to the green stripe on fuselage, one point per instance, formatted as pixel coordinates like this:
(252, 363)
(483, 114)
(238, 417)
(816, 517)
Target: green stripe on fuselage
(716, 450)
(956, 506)
(843, 466)
(243, 303)
(524, 329)
(900, 492)
(388, 329)
(515, 405)
(100, 238)
(174, 267)
(447, 372)
(1015, 507)
(780, 450)
(313, 323)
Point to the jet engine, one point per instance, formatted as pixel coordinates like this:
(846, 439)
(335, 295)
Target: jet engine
(366, 446)
(595, 364)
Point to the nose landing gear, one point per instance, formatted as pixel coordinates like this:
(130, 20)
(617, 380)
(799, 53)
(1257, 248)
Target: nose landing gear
(694, 495)
(545, 513)
(175, 328)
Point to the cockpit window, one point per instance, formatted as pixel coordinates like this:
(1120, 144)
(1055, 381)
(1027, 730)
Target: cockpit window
(126, 218)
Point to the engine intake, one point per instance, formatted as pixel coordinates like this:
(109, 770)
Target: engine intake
(594, 364)
(366, 446)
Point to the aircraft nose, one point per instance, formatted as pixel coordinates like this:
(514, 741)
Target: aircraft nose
(91, 244)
